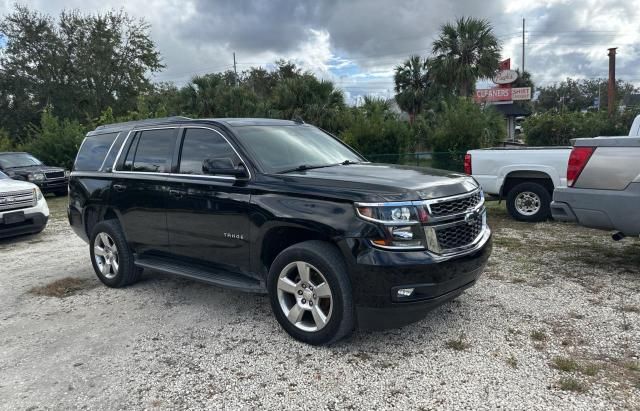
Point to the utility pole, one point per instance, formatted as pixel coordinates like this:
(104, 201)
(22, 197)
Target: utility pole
(611, 91)
(235, 70)
(523, 46)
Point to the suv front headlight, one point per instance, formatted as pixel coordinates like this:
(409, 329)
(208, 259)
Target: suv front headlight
(36, 177)
(67, 173)
(38, 194)
(400, 224)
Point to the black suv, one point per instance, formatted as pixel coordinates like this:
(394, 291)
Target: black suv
(24, 166)
(278, 207)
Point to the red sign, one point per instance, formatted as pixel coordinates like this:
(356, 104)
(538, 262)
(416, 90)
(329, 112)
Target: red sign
(493, 94)
(505, 64)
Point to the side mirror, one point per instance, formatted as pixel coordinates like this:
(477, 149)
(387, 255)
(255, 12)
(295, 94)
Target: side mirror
(225, 167)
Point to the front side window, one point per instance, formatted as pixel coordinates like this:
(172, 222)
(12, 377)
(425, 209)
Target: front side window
(201, 144)
(93, 151)
(18, 160)
(151, 151)
(280, 148)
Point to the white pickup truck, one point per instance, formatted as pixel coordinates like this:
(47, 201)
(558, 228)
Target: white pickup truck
(525, 177)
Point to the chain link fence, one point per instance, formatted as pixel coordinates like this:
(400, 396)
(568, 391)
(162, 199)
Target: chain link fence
(452, 160)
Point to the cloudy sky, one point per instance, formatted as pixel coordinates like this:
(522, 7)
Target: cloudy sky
(357, 43)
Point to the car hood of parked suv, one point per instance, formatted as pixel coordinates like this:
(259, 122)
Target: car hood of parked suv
(8, 185)
(380, 182)
(24, 171)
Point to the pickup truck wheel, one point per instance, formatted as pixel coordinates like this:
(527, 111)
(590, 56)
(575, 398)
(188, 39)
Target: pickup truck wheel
(310, 293)
(110, 255)
(529, 202)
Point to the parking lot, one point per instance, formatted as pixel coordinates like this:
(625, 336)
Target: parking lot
(553, 323)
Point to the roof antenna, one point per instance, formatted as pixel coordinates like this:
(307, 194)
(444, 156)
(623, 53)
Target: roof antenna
(298, 120)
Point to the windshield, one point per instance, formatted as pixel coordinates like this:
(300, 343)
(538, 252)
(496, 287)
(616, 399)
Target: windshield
(281, 148)
(18, 160)
(3, 176)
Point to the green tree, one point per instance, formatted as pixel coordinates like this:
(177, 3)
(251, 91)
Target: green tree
(55, 141)
(464, 52)
(78, 65)
(411, 80)
(462, 126)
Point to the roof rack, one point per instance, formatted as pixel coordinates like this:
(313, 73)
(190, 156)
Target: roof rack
(142, 122)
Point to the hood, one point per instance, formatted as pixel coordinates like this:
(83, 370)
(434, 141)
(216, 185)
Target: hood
(22, 171)
(379, 182)
(8, 185)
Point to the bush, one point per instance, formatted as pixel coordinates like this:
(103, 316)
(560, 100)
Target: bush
(5, 142)
(55, 142)
(377, 135)
(557, 129)
(462, 126)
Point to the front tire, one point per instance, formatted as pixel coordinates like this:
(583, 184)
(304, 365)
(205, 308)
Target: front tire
(529, 202)
(311, 294)
(111, 256)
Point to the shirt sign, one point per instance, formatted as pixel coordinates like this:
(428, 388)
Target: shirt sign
(521, 93)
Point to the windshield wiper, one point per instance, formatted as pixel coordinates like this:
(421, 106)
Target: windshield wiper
(303, 167)
(347, 162)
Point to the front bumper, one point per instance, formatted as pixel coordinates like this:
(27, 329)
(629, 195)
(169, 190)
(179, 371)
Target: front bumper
(33, 223)
(52, 186)
(377, 275)
(601, 209)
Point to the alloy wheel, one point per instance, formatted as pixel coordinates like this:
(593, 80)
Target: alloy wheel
(106, 255)
(305, 296)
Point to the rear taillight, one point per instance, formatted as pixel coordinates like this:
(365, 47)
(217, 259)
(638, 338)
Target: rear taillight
(467, 164)
(577, 160)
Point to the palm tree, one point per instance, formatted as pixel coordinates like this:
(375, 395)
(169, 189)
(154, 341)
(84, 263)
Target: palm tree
(465, 52)
(411, 85)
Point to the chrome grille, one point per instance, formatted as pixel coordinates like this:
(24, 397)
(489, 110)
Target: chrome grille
(459, 235)
(54, 174)
(455, 206)
(17, 200)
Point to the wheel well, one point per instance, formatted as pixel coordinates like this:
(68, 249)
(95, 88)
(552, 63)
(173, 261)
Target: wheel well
(516, 177)
(278, 239)
(92, 217)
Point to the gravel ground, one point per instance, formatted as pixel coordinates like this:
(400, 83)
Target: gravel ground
(554, 323)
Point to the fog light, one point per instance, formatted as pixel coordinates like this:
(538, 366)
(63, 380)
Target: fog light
(405, 292)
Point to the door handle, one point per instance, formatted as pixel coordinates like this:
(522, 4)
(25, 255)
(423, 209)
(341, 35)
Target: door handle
(177, 193)
(119, 187)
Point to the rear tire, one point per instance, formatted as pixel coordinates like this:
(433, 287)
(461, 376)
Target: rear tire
(311, 294)
(111, 256)
(530, 202)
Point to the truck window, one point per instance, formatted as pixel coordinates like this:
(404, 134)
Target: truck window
(200, 144)
(154, 151)
(93, 152)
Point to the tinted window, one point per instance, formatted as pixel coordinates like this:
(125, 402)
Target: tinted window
(93, 151)
(18, 160)
(278, 148)
(200, 144)
(3, 176)
(151, 151)
(113, 153)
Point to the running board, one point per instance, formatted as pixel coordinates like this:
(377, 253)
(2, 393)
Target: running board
(210, 276)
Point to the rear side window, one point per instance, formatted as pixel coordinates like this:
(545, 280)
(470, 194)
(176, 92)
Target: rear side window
(151, 151)
(200, 144)
(93, 151)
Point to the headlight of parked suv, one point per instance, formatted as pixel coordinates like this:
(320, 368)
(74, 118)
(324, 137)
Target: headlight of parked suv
(37, 194)
(400, 224)
(36, 177)
(67, 173)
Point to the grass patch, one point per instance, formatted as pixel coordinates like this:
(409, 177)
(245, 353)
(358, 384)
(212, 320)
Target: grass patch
(63, 287)
(631, 309)
(459, 344)
(538, 335)
(512, 361)
(571, 384)
(590, 369)
(565, 364)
